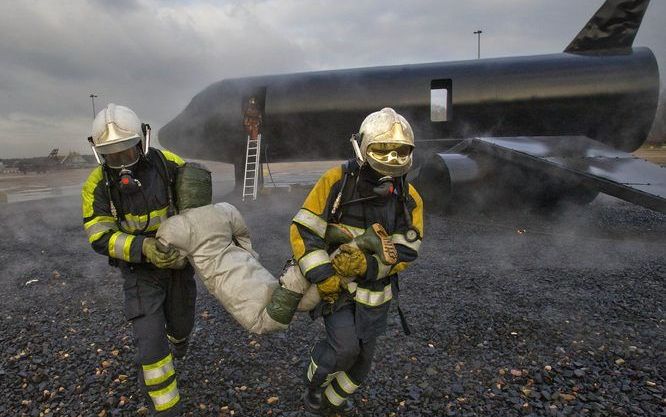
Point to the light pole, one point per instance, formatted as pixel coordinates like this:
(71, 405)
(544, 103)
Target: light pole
(92, 98)
(478, 48)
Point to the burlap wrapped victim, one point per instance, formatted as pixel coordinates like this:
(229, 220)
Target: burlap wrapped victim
(231, 271)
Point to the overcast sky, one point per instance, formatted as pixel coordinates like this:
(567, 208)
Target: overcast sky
(154, 56)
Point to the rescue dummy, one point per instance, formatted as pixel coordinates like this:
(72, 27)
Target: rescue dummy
(216, 241)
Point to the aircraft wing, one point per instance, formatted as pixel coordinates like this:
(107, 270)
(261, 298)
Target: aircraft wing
(583, 160)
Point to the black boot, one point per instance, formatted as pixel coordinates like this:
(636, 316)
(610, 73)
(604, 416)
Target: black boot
(346, 407)
(178, 347)
(312, 401)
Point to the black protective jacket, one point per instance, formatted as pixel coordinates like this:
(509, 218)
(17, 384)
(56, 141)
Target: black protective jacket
(114, 221)
(371, 293)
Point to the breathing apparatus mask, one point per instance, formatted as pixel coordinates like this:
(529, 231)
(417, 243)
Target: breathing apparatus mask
(384, 145)
(119, 140)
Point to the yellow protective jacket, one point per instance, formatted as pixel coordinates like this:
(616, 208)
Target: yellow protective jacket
(101, 214)
(309, 226)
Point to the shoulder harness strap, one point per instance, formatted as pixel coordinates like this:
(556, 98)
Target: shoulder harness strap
(168, 180)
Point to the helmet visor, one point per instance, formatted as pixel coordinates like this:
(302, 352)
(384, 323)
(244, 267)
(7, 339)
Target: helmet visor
(392, 154)
(122, 159)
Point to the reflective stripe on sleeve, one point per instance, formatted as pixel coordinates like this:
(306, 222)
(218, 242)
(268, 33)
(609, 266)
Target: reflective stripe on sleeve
(158, 372)
(119, 245)
(313, 260)
(399, 239)
(346, 383)
(311, 221)
(373, 298)
(98, 226)
(165, 398)
(133, 222)
(332, 396)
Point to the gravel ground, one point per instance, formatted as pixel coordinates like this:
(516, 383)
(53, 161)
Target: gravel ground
(513, 313)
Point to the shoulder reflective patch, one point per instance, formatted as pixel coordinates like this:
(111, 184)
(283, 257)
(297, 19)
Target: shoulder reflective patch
(373, 298)
(170, 156)
(311, 221)
(88, 191)
(417, 213)
(318, 197)
(312, 260)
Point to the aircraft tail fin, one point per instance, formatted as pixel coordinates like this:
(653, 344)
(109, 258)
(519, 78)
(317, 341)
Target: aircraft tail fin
(613, 26)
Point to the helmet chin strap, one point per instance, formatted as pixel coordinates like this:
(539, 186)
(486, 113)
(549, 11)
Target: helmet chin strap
(357, 149)
(146, 133)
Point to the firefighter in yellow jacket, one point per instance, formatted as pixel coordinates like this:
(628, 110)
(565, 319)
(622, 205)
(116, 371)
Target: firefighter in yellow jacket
(124, 201)
(356, 287)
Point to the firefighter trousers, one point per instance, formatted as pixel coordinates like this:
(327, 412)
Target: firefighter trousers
(160, 305)
(341, 362)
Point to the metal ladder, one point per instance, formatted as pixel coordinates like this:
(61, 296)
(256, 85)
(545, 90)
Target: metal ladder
(252, 167)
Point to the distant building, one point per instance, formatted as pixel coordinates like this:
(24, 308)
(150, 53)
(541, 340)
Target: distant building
(74, 160)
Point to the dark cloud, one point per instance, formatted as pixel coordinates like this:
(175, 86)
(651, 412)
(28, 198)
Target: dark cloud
(155, 55)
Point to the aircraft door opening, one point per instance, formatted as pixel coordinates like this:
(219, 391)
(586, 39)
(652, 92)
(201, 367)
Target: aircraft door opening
(440, 101)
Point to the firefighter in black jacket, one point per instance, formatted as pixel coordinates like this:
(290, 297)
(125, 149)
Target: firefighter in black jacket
(124, 200)
(371, 189)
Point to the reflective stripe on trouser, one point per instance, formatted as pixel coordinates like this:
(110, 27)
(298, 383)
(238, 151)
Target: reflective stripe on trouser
(157, 302)
(340, 388)
(341, 362)
(165, 398)
(158, 372)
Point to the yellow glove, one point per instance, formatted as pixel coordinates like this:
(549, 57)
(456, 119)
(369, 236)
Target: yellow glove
(329, 289)
(159, 255)
(350, 261)
(179, 263)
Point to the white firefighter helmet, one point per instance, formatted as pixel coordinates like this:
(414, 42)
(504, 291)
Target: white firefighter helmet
(116, 132)
(387, 142)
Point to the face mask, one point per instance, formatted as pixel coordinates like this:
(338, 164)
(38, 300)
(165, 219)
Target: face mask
(123, 159)
(127, 183)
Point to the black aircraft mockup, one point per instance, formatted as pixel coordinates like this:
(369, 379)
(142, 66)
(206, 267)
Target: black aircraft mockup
(546, 127)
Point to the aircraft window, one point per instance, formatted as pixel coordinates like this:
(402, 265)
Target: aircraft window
(439, 103)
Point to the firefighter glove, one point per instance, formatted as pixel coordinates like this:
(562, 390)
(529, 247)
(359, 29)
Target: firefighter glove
(350, 261)
(160, 255)
(329, 289)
